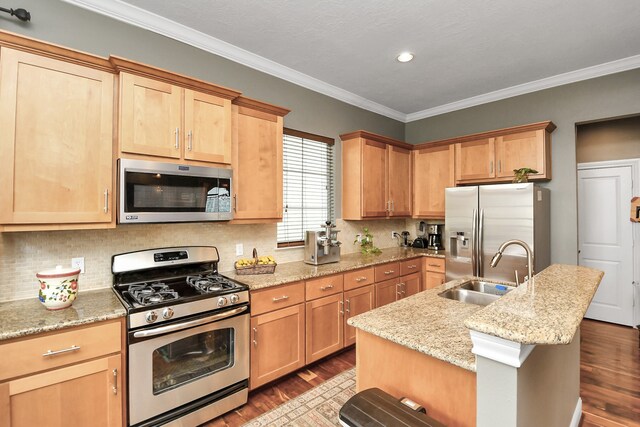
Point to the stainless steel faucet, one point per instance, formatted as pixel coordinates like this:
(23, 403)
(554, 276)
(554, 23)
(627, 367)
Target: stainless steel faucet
(496, 258)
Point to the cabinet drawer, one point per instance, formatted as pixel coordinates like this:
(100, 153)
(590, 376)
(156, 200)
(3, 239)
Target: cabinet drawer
(358, 278)
(30, 356)
(324, 286)
(410, 266)
(386, 271)
(434, 264)
(263, 301)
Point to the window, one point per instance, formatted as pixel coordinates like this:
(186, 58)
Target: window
(308, 193)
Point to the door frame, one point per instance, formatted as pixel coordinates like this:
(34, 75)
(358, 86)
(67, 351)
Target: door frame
(635, 190)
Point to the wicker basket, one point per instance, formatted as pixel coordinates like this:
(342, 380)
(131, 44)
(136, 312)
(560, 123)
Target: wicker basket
(256, 268)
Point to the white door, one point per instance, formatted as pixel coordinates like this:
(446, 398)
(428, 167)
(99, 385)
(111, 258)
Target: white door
(605, 240)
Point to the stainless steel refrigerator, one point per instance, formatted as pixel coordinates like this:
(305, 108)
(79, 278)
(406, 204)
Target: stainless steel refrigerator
(480, 218)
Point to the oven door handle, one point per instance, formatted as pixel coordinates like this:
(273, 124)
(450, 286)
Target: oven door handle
(180, 326)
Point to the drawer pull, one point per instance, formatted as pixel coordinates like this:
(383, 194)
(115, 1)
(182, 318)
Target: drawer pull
(341, 308)
(115, 381)
(282, 298)
(360, 279)
(255, 337)
(411, 266)
(434, 265)
(326, 288)
(389, 272)
(65, 350)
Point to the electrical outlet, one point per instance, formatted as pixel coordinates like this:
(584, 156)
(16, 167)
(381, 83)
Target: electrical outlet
(239, 249)
(393, 234)
(78, 263)
(359, 238)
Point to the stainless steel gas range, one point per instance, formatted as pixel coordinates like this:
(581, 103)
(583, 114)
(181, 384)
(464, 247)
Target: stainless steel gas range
(188, 335)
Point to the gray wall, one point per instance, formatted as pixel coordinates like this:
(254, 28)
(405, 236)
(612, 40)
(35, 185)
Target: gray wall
(70, 26)
(608, 140)
(605, 97)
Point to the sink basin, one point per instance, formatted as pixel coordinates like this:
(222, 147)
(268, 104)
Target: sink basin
(476, 292)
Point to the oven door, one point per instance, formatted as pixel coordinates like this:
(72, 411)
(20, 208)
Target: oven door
(172, 365)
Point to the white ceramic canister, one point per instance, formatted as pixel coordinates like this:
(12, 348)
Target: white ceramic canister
(58, 287)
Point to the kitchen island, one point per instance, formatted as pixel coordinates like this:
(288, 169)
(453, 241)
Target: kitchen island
(514, 362)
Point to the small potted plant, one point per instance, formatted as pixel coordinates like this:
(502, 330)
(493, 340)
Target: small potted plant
(522, 174)
(366, 242)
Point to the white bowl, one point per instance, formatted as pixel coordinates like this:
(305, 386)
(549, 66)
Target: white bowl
(58, 287)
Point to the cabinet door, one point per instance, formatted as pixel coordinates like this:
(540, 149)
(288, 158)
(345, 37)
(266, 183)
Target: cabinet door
(85, 394)
(432, 173)
(399, 181)
(257, 164)
(521, 150)
(411, 284)
(56, 138)
(356, 301)
(475, 160)
(387, 292)
(150, 117)
(374, 190)
(207, 127)
(325, 327)
(434, 279)
(277, 344)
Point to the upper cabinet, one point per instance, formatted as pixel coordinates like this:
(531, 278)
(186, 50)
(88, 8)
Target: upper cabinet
(492, 156)
(432, 172)
(257, 160)
(376, 180)
(167, 115)
(56, 141)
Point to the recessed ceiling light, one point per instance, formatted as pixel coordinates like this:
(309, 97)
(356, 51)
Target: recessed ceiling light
(405, 57)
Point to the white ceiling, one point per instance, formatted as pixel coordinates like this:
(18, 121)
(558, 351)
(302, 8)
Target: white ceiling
(467, 52)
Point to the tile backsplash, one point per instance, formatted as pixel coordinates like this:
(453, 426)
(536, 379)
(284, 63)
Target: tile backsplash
(24, 254)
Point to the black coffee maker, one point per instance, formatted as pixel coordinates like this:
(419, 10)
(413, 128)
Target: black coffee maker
(421, 241)
(434, 238)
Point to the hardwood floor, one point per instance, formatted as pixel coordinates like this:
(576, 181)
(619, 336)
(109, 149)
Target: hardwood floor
(273, 395)
(609, 375)
(609, 380)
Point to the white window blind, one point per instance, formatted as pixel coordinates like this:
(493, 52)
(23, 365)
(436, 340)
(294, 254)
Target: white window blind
(308, 188)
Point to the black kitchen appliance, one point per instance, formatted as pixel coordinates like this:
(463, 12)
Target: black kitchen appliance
(434, 240)
(187, 335)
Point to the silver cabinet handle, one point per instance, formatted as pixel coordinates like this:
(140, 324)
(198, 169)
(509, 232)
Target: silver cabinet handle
(434, 265)
(348, 310)
(235, 203)
(325, 288)
(491, 166)
(410, 267)
(388, 205)
(177, 138)
(360, 279)
(341, 308)
(115, 381)
(389, 272)
(106, 200)
(402, 289)
(190, 140)
(65, 350)
(499, 165)
(255, 337)
(393, 205)
(282, 298)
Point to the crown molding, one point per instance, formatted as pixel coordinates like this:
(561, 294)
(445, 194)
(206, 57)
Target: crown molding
(133, 15)
(599, 70)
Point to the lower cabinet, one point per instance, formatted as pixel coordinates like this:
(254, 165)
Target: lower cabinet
(356, 301)
(395, 289)
(277, 344)
(325, 326)
(434, 272)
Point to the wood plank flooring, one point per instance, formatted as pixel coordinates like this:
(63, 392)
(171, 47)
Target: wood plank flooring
(609, 380)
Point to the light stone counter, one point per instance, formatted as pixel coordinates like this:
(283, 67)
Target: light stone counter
(547, 311)
(294, 271)
(28, 316)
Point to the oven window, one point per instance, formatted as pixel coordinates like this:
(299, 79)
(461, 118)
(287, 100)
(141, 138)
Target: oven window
(191, 358)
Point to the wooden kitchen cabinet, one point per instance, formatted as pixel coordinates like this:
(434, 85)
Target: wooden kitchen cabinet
(356, 301)
(56, 141)
(410, 285)
(433, 172)
(433, 272)
(277, 344)
(167, 115)
(525, 149)
(386, 292)
(325, 327)
(257, 160)
(377, 175)
(475, 160)
(74, 388)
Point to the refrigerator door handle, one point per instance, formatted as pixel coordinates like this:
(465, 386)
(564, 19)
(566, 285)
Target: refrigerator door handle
(474, 243)
(480, 237)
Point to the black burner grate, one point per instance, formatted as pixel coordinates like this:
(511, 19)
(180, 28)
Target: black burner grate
(152, 293)
(210, 283)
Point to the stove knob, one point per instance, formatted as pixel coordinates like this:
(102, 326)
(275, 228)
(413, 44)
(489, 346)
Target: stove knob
(234, 298)
(167, 313)
(222, 301)
(151, 317)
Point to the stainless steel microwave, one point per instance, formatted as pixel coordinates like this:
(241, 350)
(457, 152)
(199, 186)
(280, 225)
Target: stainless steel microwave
(171, 192)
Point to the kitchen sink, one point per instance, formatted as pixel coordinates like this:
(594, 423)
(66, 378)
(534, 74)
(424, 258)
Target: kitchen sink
(476, 292)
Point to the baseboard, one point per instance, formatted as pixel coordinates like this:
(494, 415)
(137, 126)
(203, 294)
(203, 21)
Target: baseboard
(577, 414)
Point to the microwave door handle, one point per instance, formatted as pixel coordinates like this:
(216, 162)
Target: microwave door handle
(180, 326)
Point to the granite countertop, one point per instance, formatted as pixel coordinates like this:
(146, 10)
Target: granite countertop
(28, 316)
(546, 310)
(295, 271)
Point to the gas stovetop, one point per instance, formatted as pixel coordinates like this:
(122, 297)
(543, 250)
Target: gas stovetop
(160, 285)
